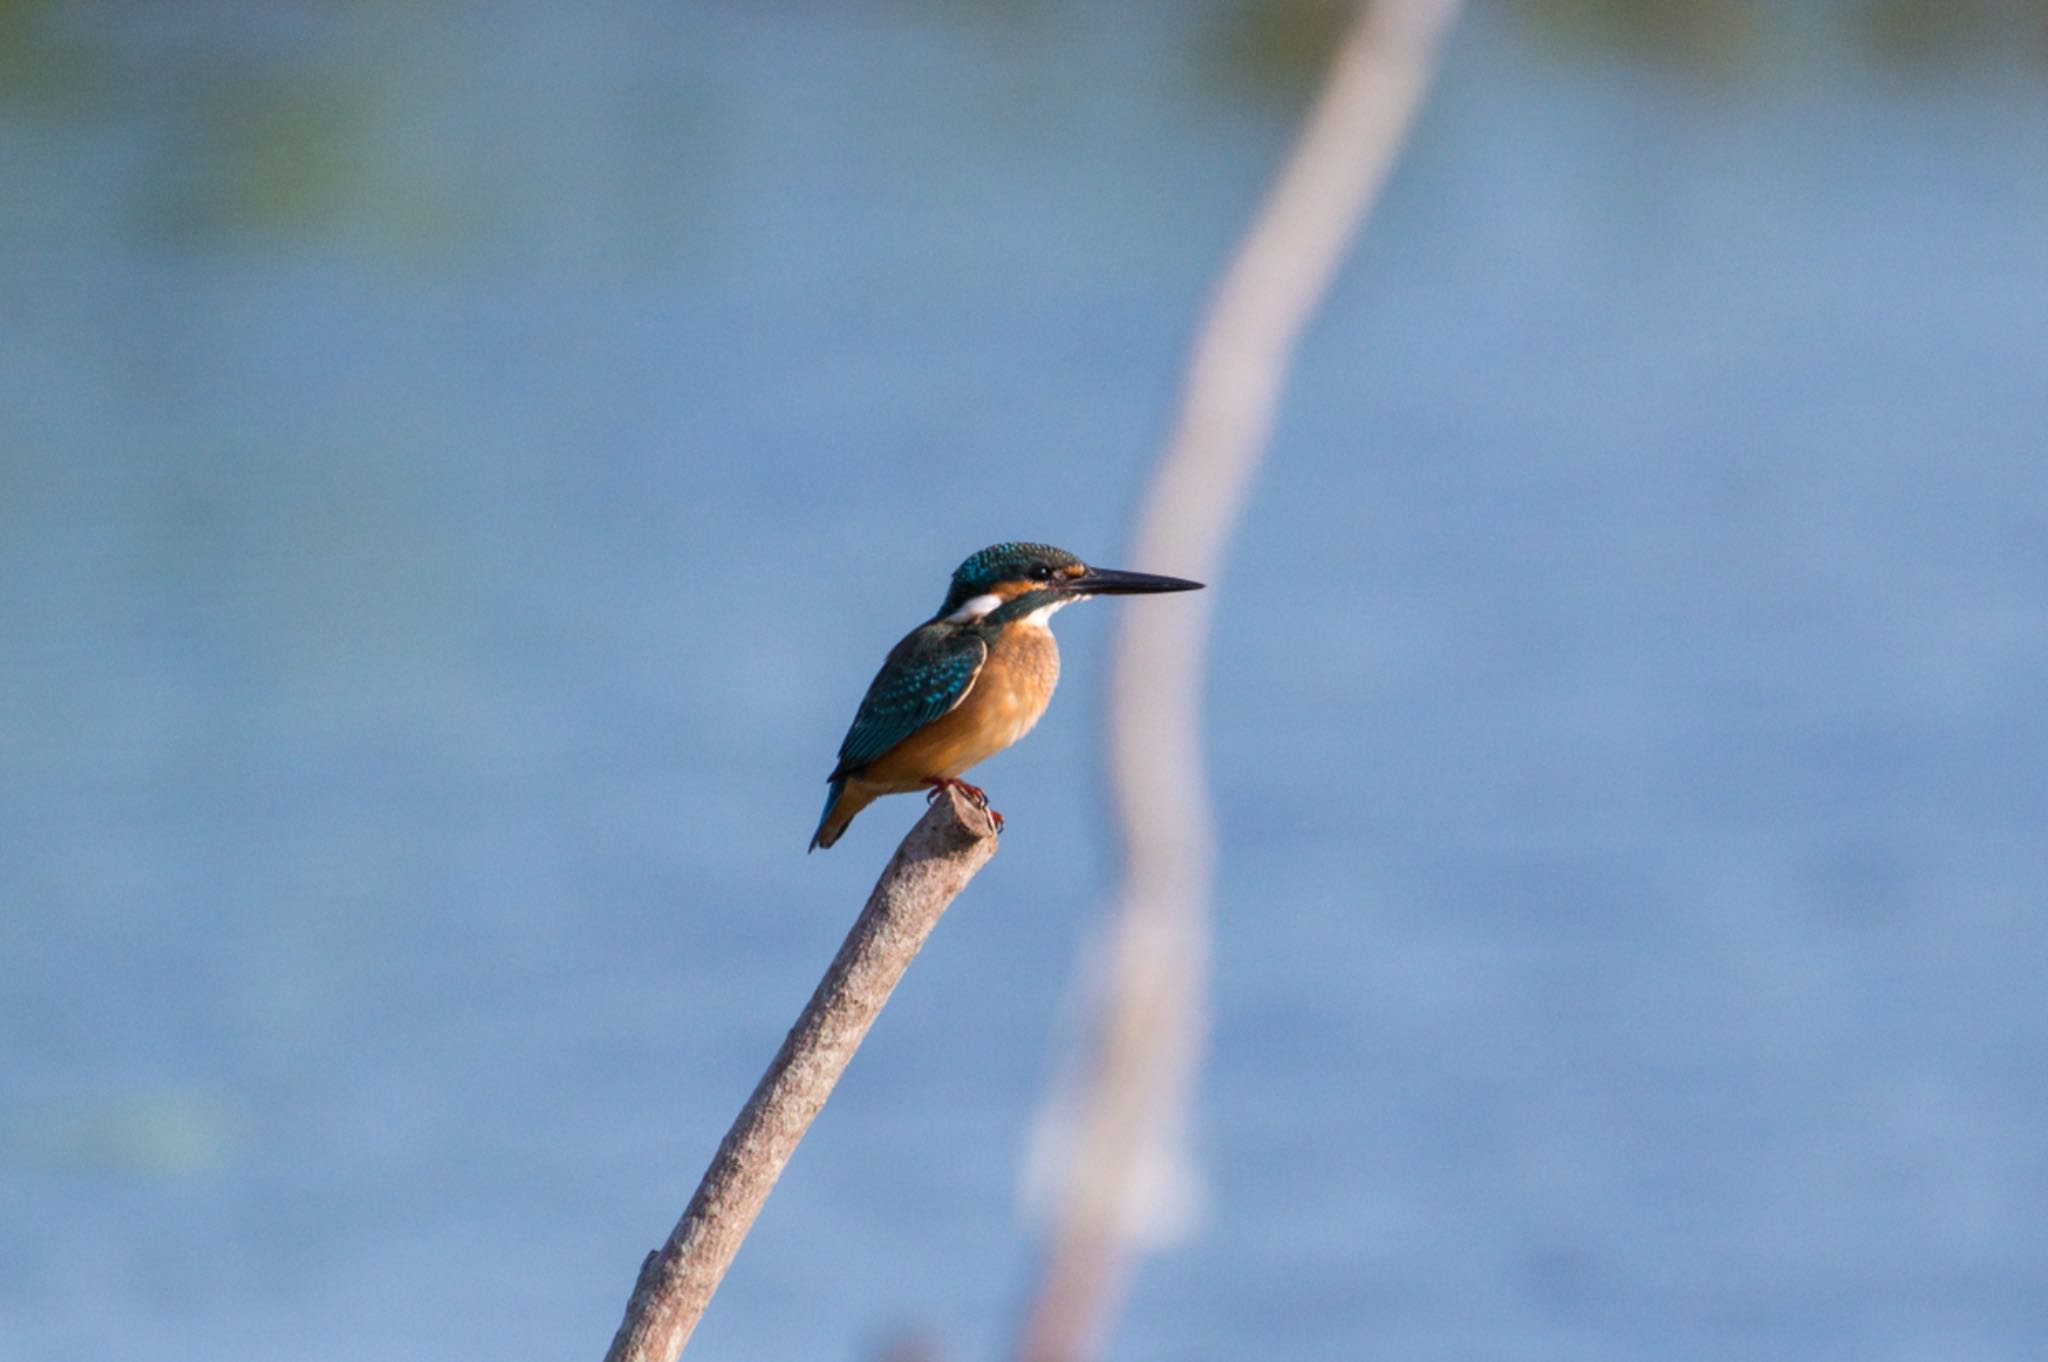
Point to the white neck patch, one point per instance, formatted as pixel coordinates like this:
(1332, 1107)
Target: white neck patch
(973, 609)
(1041, 617)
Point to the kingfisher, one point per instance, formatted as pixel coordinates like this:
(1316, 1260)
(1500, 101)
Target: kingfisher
(969, 681)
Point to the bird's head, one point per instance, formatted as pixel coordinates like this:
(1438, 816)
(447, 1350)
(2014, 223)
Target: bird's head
(1021, 579)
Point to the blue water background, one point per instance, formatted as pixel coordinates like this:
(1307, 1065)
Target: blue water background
(460, 464)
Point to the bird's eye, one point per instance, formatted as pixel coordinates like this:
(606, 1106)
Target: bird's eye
(1042, 572)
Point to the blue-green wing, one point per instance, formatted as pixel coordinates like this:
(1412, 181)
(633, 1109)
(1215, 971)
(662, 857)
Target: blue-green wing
(927, 674)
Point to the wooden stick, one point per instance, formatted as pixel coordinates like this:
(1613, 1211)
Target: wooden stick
(934, 863)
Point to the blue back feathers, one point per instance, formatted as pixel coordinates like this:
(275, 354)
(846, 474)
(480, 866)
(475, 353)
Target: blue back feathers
(926, 675)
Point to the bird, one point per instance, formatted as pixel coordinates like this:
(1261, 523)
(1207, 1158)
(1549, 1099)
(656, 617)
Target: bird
(969, 681)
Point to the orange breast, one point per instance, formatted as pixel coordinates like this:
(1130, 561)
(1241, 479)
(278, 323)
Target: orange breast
(1008, 697)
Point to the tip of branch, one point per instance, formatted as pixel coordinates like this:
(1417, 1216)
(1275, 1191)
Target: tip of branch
(956, 820)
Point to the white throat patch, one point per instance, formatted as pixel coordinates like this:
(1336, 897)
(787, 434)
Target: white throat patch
(973, 609)
(1041, 618)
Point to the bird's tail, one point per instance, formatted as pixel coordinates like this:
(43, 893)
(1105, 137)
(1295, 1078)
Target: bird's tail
(841, 805)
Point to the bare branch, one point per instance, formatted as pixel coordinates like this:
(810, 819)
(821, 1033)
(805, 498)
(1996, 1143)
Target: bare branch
(1149, 1033)
(934, 863)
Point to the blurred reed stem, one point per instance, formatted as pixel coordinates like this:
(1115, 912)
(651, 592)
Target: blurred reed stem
(1150, 1024)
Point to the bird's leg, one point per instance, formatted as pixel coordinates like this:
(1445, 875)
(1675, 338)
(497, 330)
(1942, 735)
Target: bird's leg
(976, 796)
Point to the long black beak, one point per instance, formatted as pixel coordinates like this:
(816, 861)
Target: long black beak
(1110, 582)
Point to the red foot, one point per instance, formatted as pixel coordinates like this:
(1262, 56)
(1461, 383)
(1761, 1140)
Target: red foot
(976, 796)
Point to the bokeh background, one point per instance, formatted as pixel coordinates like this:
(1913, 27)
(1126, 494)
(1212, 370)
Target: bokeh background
(460, 464)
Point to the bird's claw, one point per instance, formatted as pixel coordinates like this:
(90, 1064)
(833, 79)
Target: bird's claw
(976, 796)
